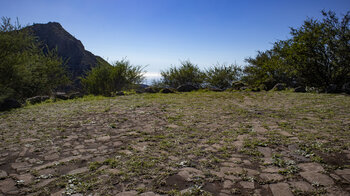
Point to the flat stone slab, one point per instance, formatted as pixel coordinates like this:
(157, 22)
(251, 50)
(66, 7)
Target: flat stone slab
(8, 186)
(280, 189)
(342, 171)
(311, 167)
(285, 133)
(247, 185)
(117, 143)
(302, 185)
(231, 170)
(188, 173)
(78, 171)
(22, 166)
(315, 177)
(26, 178)
(127, 193)
(103, 138)
(52, 157)
(227, 184)
(57, 162)
(148, 194)
(44, 183)
(3, 174)
(266, 151)
(271, 177)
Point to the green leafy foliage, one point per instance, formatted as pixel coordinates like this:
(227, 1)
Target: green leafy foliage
(25, 70)
(106, 79)
(317, 54)
(321, 50)
(187, 73)
(222, 76)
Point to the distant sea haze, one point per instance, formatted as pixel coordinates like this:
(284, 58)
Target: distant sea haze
(150, 77)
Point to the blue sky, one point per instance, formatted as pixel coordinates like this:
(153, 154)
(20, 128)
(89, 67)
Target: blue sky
(160, 33)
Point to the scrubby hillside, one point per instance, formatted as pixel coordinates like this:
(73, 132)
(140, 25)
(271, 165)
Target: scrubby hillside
(199, 143)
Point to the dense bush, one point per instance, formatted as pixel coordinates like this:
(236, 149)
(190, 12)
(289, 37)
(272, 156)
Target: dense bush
(106, 79)
(222, 76)
(187, 73)
(25, 70)
(317, 55)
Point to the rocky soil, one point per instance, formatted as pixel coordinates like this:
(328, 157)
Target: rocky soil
(198, 143)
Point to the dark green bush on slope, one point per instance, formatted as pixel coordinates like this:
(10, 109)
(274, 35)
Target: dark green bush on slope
(106, 79)
(25, 70)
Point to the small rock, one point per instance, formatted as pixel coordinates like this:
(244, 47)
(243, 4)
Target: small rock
(186, 88)
(300, 89)
(120, 93)
(279, 87)
(150, 90)
(37, 99)
(166, 90)
(237, 85)
(61, 95)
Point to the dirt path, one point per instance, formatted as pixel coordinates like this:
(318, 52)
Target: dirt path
(200, 143)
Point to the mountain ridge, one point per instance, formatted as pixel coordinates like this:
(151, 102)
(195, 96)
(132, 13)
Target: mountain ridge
(70, 49)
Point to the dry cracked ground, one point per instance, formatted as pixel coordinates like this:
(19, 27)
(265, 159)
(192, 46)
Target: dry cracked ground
(199, 143)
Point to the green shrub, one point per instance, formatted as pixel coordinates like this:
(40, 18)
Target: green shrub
(222, 76)
(187, 73)
(106, 79)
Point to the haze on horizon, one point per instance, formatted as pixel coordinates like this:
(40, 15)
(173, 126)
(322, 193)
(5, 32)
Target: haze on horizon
(160, 33)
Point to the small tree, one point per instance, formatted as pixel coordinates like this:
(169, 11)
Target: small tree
(321, 50)
(318, 55)
(187, 73)
(222, 76)
(106, 79)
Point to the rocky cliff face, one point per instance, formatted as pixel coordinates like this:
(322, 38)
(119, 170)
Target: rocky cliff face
(69, 48)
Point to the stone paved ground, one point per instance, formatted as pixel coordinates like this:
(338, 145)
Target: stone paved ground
(201, 143)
